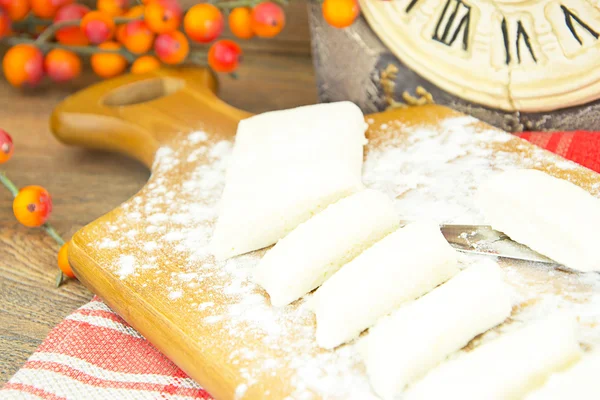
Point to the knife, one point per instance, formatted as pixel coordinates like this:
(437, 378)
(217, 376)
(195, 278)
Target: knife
(483, 240)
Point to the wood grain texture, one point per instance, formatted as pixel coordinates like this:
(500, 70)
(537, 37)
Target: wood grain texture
(140, 283)
(87, 184)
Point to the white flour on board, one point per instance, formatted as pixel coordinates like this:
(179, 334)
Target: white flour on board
(431, 175)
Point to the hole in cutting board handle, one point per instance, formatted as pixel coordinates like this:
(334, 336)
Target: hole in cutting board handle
(142, 91)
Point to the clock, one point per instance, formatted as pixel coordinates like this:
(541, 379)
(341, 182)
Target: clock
(517, 64)
(516, 55)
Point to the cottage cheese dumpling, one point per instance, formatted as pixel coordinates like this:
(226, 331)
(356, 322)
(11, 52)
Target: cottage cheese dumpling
(286, 166)
(552, 216)
(507, 367)
(317, 248)
(401, 267)
(404, 346)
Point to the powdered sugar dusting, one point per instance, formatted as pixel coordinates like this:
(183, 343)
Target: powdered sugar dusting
(429, 172)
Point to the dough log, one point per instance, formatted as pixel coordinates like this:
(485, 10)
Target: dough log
(401, 267)
(317, 248)
(507, 367)
(401, 348)
(578, 382)
(552, 216)
(285, 167)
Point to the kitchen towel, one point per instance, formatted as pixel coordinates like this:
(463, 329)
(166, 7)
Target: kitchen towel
(94, 354)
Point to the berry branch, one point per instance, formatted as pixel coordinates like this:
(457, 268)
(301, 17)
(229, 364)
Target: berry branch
(52, 40)
(230, 4)
(32, 206)
(51, 30)
(83, 50)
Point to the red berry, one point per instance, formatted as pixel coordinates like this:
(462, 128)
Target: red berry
(268, 19)
(63, 261)
(6, 146)
(114, 8)
(163, 16)
(240, 22)
(32, 206)
(137, 37)
(47, 9)
(224, 56)
(23, 65)
(62, 65)
(203, 23)
(340, 13)
(72, 35)
(17, 9)
(98, 26)
(172, 47)
(5, 23)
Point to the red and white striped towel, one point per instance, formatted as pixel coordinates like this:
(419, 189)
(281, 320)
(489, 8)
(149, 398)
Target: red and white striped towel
(94, 354)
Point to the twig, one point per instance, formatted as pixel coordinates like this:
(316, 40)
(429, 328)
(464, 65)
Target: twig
(49, 32)
(12, 188)
(53, 234)
(225, 5)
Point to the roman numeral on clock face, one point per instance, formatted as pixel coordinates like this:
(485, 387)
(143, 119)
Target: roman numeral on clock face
(454, 23)
(411, 5)
(571, 18)
(517, 43)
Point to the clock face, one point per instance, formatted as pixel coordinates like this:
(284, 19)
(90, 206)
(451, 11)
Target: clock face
(514, 55)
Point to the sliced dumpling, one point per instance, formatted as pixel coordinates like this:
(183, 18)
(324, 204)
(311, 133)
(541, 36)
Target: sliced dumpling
(552, 216)
(578, 382)
(401, 267)
(285, 167)
(401, 348)
(317, 248)
(507, 367)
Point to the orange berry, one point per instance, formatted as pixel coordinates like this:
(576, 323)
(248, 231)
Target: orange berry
(23, 65)
(145, 64)
(172, 47)
(340, 13)
(114, 8)
(5, 23)
(72, 35)
(224, 56)
(32, 206)
(120, 33)
(16, 9)
(108, 65)
(203, 23)
(134, 12)
(137, 37)
(240, 22)
(268, 19)
(97, 26)
(63, 260)
(62, 65)
(6, 146)
(162, 16)
(48, 8)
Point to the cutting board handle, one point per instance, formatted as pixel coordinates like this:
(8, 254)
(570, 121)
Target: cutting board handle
(137, 114)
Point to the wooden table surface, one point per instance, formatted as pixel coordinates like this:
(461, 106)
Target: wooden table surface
(84, 185)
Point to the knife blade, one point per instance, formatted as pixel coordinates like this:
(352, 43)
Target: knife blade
(483, 240)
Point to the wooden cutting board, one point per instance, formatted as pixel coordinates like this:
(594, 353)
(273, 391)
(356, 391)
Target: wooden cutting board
(147, 258)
